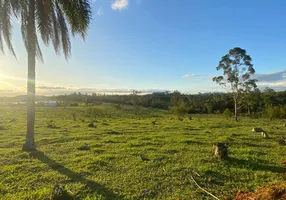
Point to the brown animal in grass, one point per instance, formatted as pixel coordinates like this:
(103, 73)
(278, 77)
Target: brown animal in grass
(220, 150)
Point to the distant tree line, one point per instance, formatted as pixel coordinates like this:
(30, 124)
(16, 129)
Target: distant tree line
(266, 103)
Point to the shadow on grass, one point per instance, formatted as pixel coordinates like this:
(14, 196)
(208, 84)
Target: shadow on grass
(252, 144)
(222, 126)
(93, 186)
(192, 142)
(192, 129)
(216, 177)
(254, 165)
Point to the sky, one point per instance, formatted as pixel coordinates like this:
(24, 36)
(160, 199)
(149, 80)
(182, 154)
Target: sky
(156, 45)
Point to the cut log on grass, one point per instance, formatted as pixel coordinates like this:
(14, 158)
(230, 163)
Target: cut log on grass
(256, 130)
(91, 125)
(220, 150)
(144, 158)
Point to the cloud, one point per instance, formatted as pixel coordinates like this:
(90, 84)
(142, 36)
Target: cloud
(114, 90)
(209, 78)
(6, 90)
(189, 76)
(281, 83)
(99, 11)
(43, 87)
(46, 90)
(93, 1)
(276, 85)
(119, 5)
(271, 77)
(275, 80)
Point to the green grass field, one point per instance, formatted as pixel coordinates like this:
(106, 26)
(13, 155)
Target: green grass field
(75, 161)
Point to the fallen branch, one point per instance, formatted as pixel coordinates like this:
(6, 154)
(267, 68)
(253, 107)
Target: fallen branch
(196, 173)
(204, 189)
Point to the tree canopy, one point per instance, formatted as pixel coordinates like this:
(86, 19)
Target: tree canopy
(237, 75)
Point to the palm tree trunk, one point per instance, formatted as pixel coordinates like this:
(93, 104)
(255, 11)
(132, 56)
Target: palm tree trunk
(30, 143)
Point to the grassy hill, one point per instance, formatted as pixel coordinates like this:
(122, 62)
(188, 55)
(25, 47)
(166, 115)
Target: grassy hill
(134, 153)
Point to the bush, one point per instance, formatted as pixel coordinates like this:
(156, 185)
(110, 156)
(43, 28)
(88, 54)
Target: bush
(283, 111)
(227, 113)
(51, 124)
(255, 115)
(117, 106)
(180, 111)
(74, 104)
(94, 112)
(274, 112)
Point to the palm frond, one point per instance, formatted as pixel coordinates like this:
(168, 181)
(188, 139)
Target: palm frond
(39, 54)
(16, 6)
(64, 31)
(56, 32)
(43, 18)
(6, 26)
(78, 13)
(54, 20)
(24, 24)
(24, 31)
(1, 43)
(1, 40)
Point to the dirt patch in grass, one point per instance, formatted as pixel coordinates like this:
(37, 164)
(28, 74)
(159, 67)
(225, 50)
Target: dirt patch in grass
(272, 192)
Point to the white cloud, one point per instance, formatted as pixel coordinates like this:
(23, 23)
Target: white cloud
(209, 78)
(281, 83)
(44, 87)
(99, 11)
(277, 85)
(189, 76)
(271, 77)
(93, 1)
(119, 5)
(61, 90)
(275, 80)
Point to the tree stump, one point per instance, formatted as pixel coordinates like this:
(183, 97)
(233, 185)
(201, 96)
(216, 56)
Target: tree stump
(220, 150)
(257, 130)
(91, 125)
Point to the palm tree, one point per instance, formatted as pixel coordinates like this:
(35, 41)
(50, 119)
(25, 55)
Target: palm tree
(53, 21)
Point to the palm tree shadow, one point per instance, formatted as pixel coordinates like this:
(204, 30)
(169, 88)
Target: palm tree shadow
(258, 165)
(93, 186)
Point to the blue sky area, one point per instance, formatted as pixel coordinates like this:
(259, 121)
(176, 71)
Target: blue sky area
(159, 44)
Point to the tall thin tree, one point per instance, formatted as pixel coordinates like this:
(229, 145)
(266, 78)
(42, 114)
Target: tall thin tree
(53, 21)
(237, 76)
